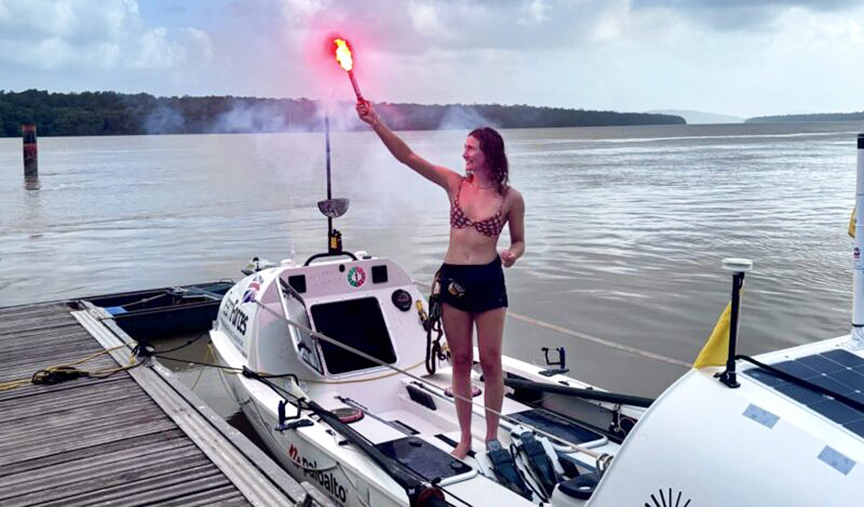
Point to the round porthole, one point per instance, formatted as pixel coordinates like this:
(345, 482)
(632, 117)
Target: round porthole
(402, 299)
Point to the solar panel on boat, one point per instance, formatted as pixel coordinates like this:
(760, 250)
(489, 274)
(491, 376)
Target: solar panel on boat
(423, 458)
(838, 370)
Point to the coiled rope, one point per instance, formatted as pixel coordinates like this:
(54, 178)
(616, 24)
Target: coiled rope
(51, 375)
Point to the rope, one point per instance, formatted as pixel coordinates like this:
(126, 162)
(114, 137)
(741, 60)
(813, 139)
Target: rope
(201, 371)
(364, 379)
(51, 375)
(12, 384)
(592, 339)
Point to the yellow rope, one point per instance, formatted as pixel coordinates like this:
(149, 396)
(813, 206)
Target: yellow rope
(7, 386)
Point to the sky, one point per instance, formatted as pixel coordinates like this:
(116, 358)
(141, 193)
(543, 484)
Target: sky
(737, 57)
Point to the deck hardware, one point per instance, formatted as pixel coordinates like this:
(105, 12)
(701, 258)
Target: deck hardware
(293, 425)
(561, 362)
(738, 267)
(299, 423)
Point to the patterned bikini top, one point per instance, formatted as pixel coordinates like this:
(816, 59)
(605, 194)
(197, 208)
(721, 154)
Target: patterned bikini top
(491, 226)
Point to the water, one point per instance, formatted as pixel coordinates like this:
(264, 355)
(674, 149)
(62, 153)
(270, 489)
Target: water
(625, 226)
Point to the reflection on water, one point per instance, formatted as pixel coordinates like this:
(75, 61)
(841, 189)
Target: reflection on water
(206, 382)
(626, 228)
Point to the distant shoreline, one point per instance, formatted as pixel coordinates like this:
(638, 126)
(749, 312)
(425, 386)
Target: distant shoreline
(816, 117)
(110, 113)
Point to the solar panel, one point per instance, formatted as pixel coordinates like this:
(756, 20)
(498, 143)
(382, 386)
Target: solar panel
(838, 370)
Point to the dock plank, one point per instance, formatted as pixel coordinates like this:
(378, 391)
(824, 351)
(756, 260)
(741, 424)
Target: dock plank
(110, 441)
(122, 483)
(105, 469)
(223, 496)
(28, 390)
(63, 423)
(84, 395)
(142, 442)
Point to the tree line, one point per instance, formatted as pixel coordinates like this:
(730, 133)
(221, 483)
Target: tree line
(808, 117)
(111, 113)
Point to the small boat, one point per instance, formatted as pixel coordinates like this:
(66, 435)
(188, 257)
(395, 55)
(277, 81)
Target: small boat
(151, 314)
(342, 382)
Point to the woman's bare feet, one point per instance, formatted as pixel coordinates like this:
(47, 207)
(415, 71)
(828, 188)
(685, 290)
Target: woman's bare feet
(461, 450)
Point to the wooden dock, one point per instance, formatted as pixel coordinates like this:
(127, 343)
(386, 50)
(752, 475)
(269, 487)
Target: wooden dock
(137, 437)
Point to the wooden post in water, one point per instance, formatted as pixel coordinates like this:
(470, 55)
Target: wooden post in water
(31, 167)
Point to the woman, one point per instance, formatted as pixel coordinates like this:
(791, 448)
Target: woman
(472, 281)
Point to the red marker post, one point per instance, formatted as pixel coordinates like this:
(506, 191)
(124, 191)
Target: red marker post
(31, 166)
(346, 61)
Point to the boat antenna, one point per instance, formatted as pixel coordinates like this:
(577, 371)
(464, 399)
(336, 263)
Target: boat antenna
(857, 335)
(738, 267)
(330, 207)
(329, 186)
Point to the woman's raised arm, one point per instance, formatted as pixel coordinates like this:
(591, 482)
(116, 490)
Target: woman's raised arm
(443, 177)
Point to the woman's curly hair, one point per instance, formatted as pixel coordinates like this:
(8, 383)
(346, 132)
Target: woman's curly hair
(492, 146)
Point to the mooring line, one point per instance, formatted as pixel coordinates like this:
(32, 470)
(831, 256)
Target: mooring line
(588, 338)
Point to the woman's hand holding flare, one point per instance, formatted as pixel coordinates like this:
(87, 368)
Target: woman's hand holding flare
(366, 114)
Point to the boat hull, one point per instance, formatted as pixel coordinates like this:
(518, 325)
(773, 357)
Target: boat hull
(312, 456)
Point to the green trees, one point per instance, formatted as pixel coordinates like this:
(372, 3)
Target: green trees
(110, 113)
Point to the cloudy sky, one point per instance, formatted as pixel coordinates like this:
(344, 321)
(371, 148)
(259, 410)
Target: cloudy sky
(737, 57)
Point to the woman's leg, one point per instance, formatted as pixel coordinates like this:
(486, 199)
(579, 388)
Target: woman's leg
(458, 327)
(490, 332)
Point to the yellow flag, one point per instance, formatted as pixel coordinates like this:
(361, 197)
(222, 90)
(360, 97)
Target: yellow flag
(852, 223)
(716, 349)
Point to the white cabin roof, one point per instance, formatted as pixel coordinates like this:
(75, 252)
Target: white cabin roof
(749, 446)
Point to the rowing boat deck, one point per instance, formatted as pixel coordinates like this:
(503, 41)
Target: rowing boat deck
(128, 439)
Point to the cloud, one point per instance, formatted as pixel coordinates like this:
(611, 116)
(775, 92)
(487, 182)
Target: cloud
(93, 34)
(737, 15)
(741, 57)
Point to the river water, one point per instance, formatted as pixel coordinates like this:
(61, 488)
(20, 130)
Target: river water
(626, 228)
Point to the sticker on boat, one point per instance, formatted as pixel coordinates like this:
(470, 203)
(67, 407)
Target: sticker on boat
(356, 276)
(252, 289)
(322, 476)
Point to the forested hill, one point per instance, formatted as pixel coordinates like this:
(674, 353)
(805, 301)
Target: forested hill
(808, 117)
(109, 113)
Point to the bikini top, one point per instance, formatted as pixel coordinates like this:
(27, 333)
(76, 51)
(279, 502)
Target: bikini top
(491, 226)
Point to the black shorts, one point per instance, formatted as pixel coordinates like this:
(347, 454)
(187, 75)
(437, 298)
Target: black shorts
(473, 287)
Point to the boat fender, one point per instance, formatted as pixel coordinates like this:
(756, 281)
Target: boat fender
(581, 487)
